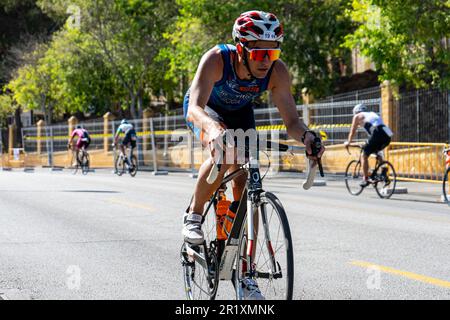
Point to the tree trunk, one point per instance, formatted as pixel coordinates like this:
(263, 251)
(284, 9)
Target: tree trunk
(133, 106)
(18, 122)
(140, 103)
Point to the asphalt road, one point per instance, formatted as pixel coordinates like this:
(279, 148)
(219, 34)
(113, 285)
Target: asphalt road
(106, 237)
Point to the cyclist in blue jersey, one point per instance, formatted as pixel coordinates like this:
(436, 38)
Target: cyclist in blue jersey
(221, 96)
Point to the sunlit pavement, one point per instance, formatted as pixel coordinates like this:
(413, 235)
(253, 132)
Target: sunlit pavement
(106, 237)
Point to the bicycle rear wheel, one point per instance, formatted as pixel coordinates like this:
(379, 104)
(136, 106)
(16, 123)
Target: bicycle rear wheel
(386, 180)
(134, 166)
(85, 163)
(446, 185)
(353, 177)
(201, 282)
(272, 259)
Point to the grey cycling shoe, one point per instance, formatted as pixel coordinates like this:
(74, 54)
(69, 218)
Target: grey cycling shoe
(192, 228)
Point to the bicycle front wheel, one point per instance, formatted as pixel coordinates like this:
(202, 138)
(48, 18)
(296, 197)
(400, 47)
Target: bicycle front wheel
(446, 185)
(386, 180)
(353, 177)
(270, 260)
(119, 166)
(74, 163)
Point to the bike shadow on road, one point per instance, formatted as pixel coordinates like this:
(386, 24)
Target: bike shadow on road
(417, 200)
(89, 191)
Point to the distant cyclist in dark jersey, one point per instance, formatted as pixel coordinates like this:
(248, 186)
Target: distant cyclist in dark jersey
(83, 139)
(129, 139)
(221, 96)
(379, 136)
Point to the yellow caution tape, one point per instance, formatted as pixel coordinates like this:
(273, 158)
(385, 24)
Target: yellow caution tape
(277, 127)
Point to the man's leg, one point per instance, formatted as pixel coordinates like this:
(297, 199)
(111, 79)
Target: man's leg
(192, 229)
(203, 190)
(123, 151)
(365, 165)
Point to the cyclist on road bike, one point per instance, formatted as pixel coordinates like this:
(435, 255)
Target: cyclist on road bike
(221, 97)
(83, 139)
(379, 136)
(129, 139)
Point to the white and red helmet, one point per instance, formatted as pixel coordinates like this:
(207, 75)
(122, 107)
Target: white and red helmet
(257, 25)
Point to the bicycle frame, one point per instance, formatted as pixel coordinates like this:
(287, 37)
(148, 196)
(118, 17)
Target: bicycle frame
(378, 156)
(250, 196)
(235, 257)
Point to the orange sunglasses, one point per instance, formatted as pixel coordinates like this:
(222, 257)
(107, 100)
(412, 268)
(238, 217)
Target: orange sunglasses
(260, 54)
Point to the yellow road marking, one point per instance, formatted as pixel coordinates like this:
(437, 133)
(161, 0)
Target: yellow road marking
(402, 273)
(132, 204)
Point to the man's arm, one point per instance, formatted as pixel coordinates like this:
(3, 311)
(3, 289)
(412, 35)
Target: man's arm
(355, 123)
(280, 84)
(116, 135)
(71, 138)
(209, 71)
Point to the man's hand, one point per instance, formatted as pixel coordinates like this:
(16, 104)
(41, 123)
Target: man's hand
(309, 142)
(215, 132)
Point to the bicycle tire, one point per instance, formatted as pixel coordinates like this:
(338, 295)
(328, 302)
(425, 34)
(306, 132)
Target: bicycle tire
(387, 182)
(134, 163)
(445, 184)
(85, 163)
(353, 176)
(267, 279)
(74, 168)
(119, 166)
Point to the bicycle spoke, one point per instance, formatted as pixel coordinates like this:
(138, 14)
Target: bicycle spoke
(273, 261)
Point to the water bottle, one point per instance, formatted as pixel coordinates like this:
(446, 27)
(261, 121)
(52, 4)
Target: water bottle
(229, 218)
(221, 211)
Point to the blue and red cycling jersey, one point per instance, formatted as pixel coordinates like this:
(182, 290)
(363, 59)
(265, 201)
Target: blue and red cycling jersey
(231, 93)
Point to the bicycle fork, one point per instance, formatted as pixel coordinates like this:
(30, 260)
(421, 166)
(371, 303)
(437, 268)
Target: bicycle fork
(253, 225)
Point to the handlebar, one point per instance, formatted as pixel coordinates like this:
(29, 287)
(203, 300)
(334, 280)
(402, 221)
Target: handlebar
(354, 145)
(313, 165)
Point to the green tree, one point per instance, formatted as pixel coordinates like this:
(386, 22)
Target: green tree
(406, 39)
(129, 36)
(314, 32)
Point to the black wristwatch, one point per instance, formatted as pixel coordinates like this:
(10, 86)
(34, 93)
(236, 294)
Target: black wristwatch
(304, 134)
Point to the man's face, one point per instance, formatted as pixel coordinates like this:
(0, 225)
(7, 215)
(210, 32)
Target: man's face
(258, 68)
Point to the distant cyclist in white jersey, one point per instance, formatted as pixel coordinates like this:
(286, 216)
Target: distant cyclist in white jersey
(379, 136)
(129, 139)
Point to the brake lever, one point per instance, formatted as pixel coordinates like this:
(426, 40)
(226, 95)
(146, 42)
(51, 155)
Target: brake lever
(315, 149)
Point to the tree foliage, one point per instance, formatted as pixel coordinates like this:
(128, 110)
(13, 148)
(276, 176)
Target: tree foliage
(314, 32)
(108, 54)
(406, 39)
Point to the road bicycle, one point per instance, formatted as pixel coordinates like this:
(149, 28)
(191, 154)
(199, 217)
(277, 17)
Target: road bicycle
(81, 160)
(383, 176)
(123, 164)
(258, 244)
(446, 178)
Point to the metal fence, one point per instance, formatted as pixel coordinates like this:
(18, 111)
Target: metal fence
(165, 143)
(364, 94)
(335, 118)
(423, 116)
